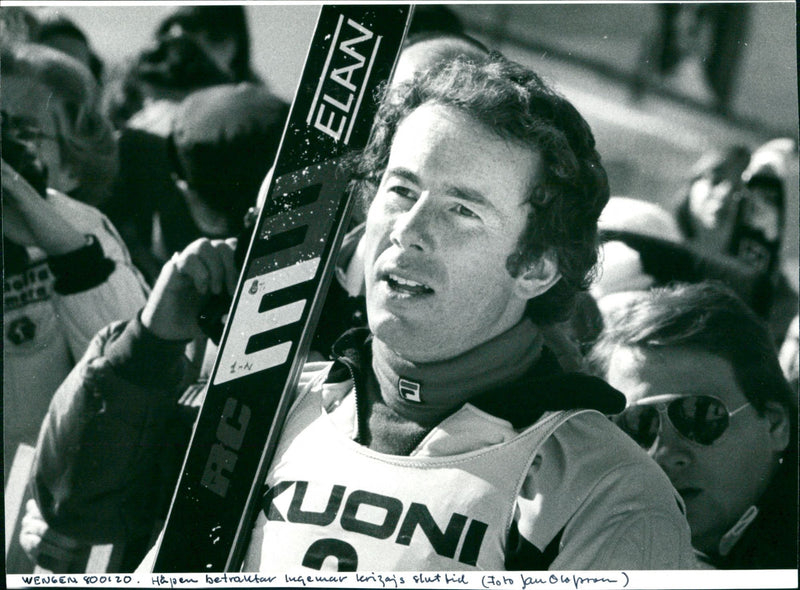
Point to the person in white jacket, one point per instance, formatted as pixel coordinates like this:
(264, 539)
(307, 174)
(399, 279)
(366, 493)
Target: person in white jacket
(67, 272)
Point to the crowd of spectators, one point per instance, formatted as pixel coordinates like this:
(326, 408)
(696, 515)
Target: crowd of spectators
(105, 182)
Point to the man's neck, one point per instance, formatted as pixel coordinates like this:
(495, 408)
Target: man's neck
(427, 392)
(404, 401)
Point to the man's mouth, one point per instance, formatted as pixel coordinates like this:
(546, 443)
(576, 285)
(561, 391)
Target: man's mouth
(406, 286)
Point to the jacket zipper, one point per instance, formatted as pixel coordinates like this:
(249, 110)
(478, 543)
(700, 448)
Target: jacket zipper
(356, 392)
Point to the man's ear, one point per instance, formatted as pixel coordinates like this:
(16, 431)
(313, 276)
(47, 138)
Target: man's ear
(538, 277)
(779, 425)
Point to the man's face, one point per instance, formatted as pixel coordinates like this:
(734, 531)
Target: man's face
(448, 212)
(719, 482)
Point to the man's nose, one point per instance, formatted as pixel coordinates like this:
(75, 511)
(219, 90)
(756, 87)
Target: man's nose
(670, 450)
(412, 229)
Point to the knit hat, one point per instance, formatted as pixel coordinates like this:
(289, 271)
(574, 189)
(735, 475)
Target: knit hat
(224, 140)
(639, 217)
(772, 159)
(621, 263)
(768, 166)
(642, 248)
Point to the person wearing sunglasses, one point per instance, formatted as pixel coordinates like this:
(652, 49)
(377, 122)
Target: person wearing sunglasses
(707, 400)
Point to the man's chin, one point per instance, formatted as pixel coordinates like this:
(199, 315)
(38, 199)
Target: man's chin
(396, 333)
(386, 326)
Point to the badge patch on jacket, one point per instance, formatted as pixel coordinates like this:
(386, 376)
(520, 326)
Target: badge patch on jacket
(410, 390)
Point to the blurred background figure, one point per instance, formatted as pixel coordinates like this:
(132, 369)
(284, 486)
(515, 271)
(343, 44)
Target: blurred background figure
(58, 31)
(18, 24)
(763, 212)
(735, 208)
(67, 272)
(193, 48)
(697, 46)
(643, 247)
(222, 33)
(708, 210)
(202, 178)
(708, 401)
(57, 98)
(790, 356)
(761, 228)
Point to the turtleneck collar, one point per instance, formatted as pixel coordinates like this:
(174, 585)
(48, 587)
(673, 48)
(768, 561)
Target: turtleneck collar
(425, 392)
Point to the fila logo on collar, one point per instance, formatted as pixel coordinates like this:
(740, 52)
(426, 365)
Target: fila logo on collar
(410, 390)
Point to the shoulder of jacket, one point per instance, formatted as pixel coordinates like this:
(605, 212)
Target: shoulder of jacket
(73, 208)
(587, 482)
(314, 374)
(85, 218)
(587, 450)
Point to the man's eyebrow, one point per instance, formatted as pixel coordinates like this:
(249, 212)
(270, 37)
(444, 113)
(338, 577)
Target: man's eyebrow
(470, 195)
(403, 173)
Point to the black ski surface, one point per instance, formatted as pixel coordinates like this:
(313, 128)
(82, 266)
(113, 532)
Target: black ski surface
(281, 290)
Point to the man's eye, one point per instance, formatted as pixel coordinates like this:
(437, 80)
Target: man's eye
(464, 211)
(402, 191)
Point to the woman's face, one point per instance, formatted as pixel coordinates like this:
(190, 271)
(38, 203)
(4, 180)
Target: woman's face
(36, 119)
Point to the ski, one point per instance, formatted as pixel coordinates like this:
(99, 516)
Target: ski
(281, 290)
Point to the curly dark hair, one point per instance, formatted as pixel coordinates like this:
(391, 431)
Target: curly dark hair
(513, 102)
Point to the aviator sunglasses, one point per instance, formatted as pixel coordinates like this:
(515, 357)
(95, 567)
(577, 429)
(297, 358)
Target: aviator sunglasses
(701, 419)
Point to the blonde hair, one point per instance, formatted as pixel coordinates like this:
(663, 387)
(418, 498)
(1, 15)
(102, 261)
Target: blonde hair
(85, 137)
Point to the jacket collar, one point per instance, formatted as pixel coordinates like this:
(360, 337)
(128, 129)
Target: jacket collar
(545, 387)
